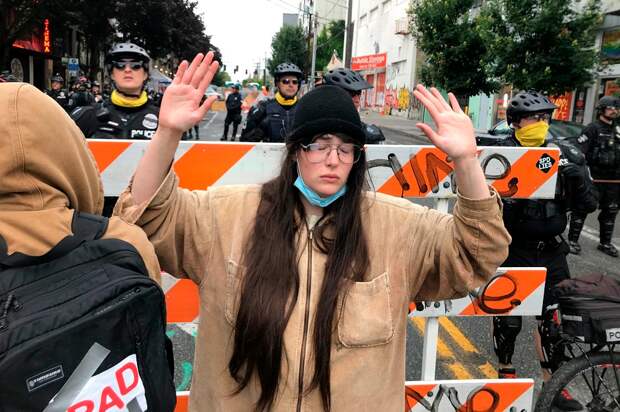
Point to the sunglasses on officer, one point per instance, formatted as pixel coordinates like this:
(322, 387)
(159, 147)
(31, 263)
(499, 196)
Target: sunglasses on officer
(133, 65)
(294, 82)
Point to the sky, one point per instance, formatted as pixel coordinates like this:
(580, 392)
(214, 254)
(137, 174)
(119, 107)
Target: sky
(243, 29)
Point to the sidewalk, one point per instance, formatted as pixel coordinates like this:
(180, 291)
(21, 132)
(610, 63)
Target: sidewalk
(396, 124)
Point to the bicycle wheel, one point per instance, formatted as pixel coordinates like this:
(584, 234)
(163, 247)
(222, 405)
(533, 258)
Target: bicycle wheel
(594, 381)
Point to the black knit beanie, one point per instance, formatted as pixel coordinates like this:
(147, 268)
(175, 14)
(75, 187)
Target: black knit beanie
(326, 109)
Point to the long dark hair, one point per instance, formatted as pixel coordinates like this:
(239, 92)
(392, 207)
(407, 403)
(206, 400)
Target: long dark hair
(270, 287)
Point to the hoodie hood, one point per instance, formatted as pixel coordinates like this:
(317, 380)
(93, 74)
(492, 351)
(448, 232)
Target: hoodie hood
(46, 172)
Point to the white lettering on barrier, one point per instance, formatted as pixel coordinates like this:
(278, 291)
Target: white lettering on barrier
(112, 390)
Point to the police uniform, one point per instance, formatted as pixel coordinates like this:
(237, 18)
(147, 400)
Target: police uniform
(110, 121)
(536, 226)
(269, 121)
(600, 142)
(61, 96)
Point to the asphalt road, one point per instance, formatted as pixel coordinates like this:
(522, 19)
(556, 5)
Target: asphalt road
(465, 345)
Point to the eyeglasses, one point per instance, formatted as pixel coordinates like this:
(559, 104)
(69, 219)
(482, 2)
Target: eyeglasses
(134, 65)
(294, 82)
(318, 152)
(354, 94)
(546, 117)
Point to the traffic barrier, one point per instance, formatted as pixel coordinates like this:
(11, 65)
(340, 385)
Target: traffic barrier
(406, 171)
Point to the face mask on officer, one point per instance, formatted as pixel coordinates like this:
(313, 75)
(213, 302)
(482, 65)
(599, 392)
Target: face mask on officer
(533, 133)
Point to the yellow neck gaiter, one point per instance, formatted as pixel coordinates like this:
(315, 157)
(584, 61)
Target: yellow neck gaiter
(284, 101)
(123, 101)
(532, 135)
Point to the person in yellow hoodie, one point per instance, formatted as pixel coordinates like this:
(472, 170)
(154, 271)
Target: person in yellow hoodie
(305, 280)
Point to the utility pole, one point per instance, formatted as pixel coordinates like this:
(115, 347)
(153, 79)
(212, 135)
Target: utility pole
(314, 40)
(348, 36)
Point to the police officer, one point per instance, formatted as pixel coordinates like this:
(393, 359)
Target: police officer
(96, 91)
(233, 112)
(270, 120)
(600, 141)
(353, 83)
(58, 93)
(536, 227)
(128, 113)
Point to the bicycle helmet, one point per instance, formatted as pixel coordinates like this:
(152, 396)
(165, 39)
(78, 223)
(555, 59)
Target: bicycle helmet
(57, 78)
(127, 51)
(283, 69)
(608, 101)
(527, 103)
(346, 79)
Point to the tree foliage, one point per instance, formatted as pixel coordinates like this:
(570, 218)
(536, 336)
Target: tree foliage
(166, 28)
(330, 38)
(544, 45)
(221, 77)
(455, 50)
(288, 45)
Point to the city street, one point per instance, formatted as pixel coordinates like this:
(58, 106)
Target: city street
(465, 346)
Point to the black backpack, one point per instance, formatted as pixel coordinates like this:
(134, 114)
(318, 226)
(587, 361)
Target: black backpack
(82, 328)
(590, 308)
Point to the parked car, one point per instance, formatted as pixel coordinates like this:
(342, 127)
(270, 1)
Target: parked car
(557, 129)
(212, 91)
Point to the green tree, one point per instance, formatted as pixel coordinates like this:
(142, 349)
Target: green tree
(288, 45)
(545, 45)
(330, 38)
(221, 77)
(455, 51)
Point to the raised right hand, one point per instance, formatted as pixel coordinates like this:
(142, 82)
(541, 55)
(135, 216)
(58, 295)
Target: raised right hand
(180, 106)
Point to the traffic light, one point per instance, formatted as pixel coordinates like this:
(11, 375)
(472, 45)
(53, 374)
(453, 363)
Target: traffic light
(223, 67)
(236, 69)
(246, 72)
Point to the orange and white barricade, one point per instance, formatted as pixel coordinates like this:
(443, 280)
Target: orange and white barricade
(407, 171)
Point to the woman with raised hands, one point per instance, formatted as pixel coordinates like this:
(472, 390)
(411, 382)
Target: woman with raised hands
(305, 280)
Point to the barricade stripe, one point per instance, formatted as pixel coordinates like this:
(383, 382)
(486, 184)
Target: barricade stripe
(182, 302)
(182, 402)
(219, 158)
(509, 393)
(422, 390)
(106, 152)
(429, 162)
(526, 165)
(528, 282)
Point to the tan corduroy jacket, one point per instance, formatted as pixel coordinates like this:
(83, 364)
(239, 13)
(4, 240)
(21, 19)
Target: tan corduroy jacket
(415, 253)
(46, 173)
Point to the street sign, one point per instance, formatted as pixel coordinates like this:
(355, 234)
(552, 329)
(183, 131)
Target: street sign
(73, 64)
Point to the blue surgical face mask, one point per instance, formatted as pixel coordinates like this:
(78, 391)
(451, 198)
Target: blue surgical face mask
(312, 197)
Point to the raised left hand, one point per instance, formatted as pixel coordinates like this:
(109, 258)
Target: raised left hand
(455, 131)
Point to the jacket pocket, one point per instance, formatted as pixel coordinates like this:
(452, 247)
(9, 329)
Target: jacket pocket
(233, 292)
(365, 315)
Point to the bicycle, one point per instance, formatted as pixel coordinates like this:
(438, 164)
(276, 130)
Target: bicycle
(589, 328)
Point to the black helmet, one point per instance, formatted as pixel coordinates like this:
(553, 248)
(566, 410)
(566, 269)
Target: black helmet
(283, 69)
(608, 101)
(347, 79)
(525, 103)
(127, 51)
(96, 83)
(57, 78)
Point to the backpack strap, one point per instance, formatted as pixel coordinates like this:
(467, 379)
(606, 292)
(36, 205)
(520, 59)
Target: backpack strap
(85, 227)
